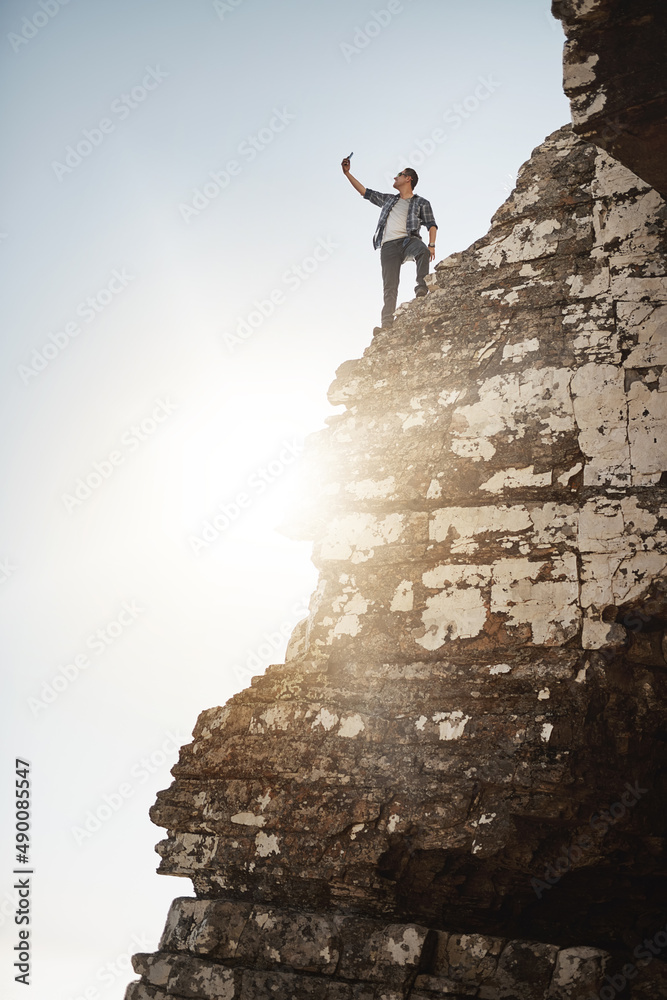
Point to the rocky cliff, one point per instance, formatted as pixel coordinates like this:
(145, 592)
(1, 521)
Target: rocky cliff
(614, 75)
(455, 784)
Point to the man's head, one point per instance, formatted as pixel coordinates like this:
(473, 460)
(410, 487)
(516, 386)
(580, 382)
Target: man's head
(406, 181)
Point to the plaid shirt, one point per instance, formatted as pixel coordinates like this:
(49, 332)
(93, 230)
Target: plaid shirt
(419, 213)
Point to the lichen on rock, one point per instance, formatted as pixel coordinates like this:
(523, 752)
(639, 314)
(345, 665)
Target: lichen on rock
(453, 787)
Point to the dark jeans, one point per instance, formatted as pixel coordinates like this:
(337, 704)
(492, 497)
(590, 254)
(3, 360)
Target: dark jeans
(392, 255)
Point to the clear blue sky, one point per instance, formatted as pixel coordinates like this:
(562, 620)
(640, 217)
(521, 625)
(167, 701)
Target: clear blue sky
(121, 380)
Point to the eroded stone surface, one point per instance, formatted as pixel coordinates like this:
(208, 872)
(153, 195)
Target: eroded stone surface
(454, 786)
(614, 75)
(355, 958)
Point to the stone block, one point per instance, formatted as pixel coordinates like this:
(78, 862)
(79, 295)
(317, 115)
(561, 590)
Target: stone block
(183, 912)
(389, 954)
(525, 969)
(205, 927)
(305, 941)
(186, 977)
(140, 991)
(578, 973)
(275, 985)
(218, 931)
(473, 958)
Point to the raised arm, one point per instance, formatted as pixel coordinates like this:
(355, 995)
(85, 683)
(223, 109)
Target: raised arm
(353, 180)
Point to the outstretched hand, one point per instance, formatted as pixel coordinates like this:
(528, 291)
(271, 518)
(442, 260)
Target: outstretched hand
(346, 165)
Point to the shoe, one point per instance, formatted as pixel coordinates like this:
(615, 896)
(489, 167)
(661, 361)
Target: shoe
(421, 292)
(381, 329)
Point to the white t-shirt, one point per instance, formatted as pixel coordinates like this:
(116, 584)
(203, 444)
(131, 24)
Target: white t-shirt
(397, 221)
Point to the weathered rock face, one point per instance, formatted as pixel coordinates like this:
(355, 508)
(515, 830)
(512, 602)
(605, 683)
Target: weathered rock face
(226, 950)
(518, 412)
(614, 75)
(464, 755)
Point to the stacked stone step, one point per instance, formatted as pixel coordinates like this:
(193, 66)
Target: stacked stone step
(330, 802)
(227, 949)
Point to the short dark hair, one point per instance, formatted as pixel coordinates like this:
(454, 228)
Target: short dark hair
(412, 174)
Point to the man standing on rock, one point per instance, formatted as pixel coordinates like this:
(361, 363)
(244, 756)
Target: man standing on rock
(397, 234)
